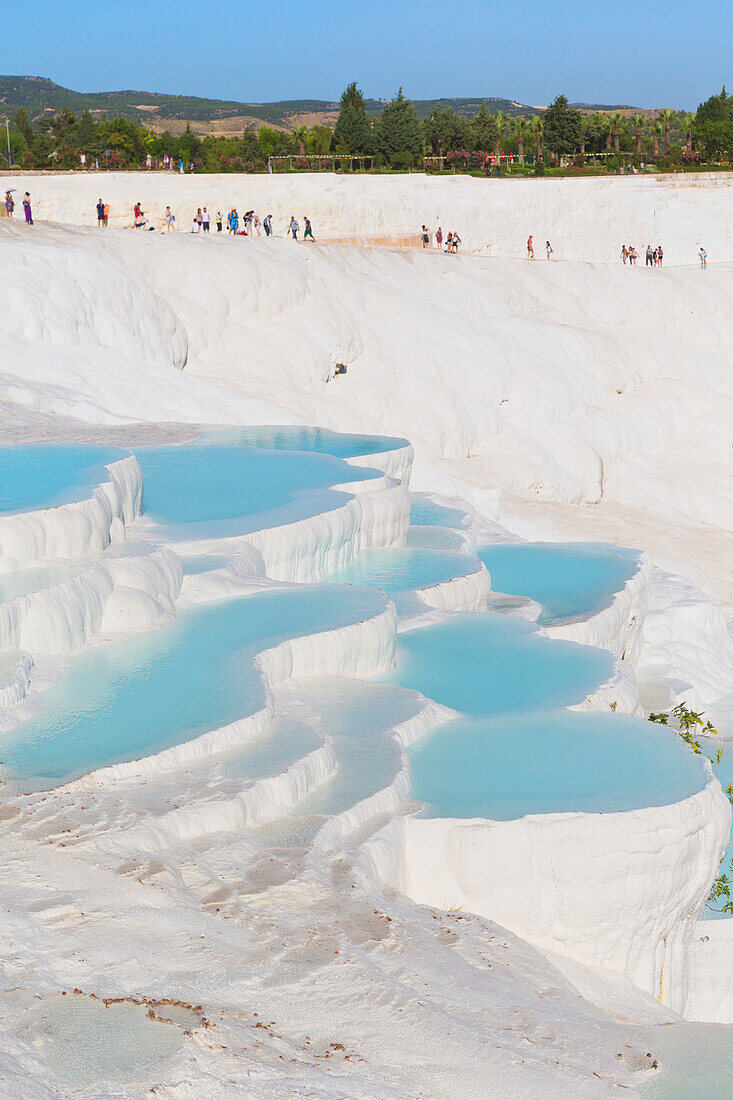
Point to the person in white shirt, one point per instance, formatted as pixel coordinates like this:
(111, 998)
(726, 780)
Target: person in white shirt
(205, 220)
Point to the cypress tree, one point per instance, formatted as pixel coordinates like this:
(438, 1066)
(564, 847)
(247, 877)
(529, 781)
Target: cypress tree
(353, 133)
(399, 128)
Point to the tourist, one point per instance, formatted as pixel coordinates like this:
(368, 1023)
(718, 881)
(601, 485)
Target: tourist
(530, 247)
(196, 226)
(181, 167)
(100, 215)
(660, 256)
(27, 208)
(649, 256)
(308, 230)
(456, 241)
(248, 215)
(256, 224)
(234, 221)
(139, 216)
(439, 238)
(449, 243)
(206, 220)
(148, 162)
(219, 225)
(624, 253)
(293, 228)
(83, 160)
(268, 225)
(425, 237)
(106, 215)
(702, 254)
(633, 255)
(199, 218)
(9, 203)
(170, 220)
(548, 249)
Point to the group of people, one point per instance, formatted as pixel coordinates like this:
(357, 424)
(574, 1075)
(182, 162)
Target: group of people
(530, 248)
(452, 241)
(654, 256)
(10, 206)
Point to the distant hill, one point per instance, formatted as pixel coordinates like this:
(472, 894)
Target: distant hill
(41, 96)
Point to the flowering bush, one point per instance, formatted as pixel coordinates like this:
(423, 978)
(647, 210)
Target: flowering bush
(28, 160)
(301, 162)
(462, 158)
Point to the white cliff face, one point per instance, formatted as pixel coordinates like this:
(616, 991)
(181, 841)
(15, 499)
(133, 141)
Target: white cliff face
(570, 384)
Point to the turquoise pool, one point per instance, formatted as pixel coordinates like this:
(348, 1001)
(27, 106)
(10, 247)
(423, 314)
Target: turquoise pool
(34, 476)
(135, 697)
(487, 663)
(551, 762)
(296, 438)
(568, 579)
(211, 491)
(424, 512)
(404, 569)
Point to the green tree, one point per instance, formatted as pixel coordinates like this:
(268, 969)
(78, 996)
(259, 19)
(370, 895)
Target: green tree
(319, 140)
(666, 120)
(268, 139)
(689, 125)
(537, 127)
(353, 133)
(23, 124)
(445, 130)
(484, 130)
(86, 133)
(638, 123)
(520, 132)
(714, 124)
(563, 127)
(615, 122)
(399, 128)
(300, 134)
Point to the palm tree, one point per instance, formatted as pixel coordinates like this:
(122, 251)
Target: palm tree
(300, 133)
(689, 124)
(638, 121)
(656, 133)
(666, 118)
(537, 130)
(520, 129)
(614, 123)
(500, 122)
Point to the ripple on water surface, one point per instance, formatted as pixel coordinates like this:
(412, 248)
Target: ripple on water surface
(567, 579)
(404, 569)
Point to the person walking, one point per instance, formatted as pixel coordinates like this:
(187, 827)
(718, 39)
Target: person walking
(530, 247)
(456, 241)
(449, 243)
(100, 215)
(649, 256)
(170, 220)
(439, 238)
(293, 227)
(219, 225)
(9, 203)
(181, 167)
(660, 256)
(425, 236)
(268, 225)
(548, 249)
(308, 230)
(234, 221)
(205, 220)
(702, 254)
(624, 253)
(199, 218)
(27, 209)
(256, 224)
(106, 215)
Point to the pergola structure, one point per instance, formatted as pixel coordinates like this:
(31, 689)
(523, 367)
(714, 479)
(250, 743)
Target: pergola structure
(317, 159)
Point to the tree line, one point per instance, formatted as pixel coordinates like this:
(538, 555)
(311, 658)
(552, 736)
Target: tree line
(397, 138)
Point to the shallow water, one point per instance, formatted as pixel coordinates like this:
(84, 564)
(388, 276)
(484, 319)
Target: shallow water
(199, 491)
(487, 663)
(36, 476)
(296, 438)
(567, 579)
(131, 698)
(435, 538)
(425, 512)
(404, 569)
(696, 1062)
(84, 1040)
(551, 762)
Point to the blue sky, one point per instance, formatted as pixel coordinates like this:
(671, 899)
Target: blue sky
(641, 52)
